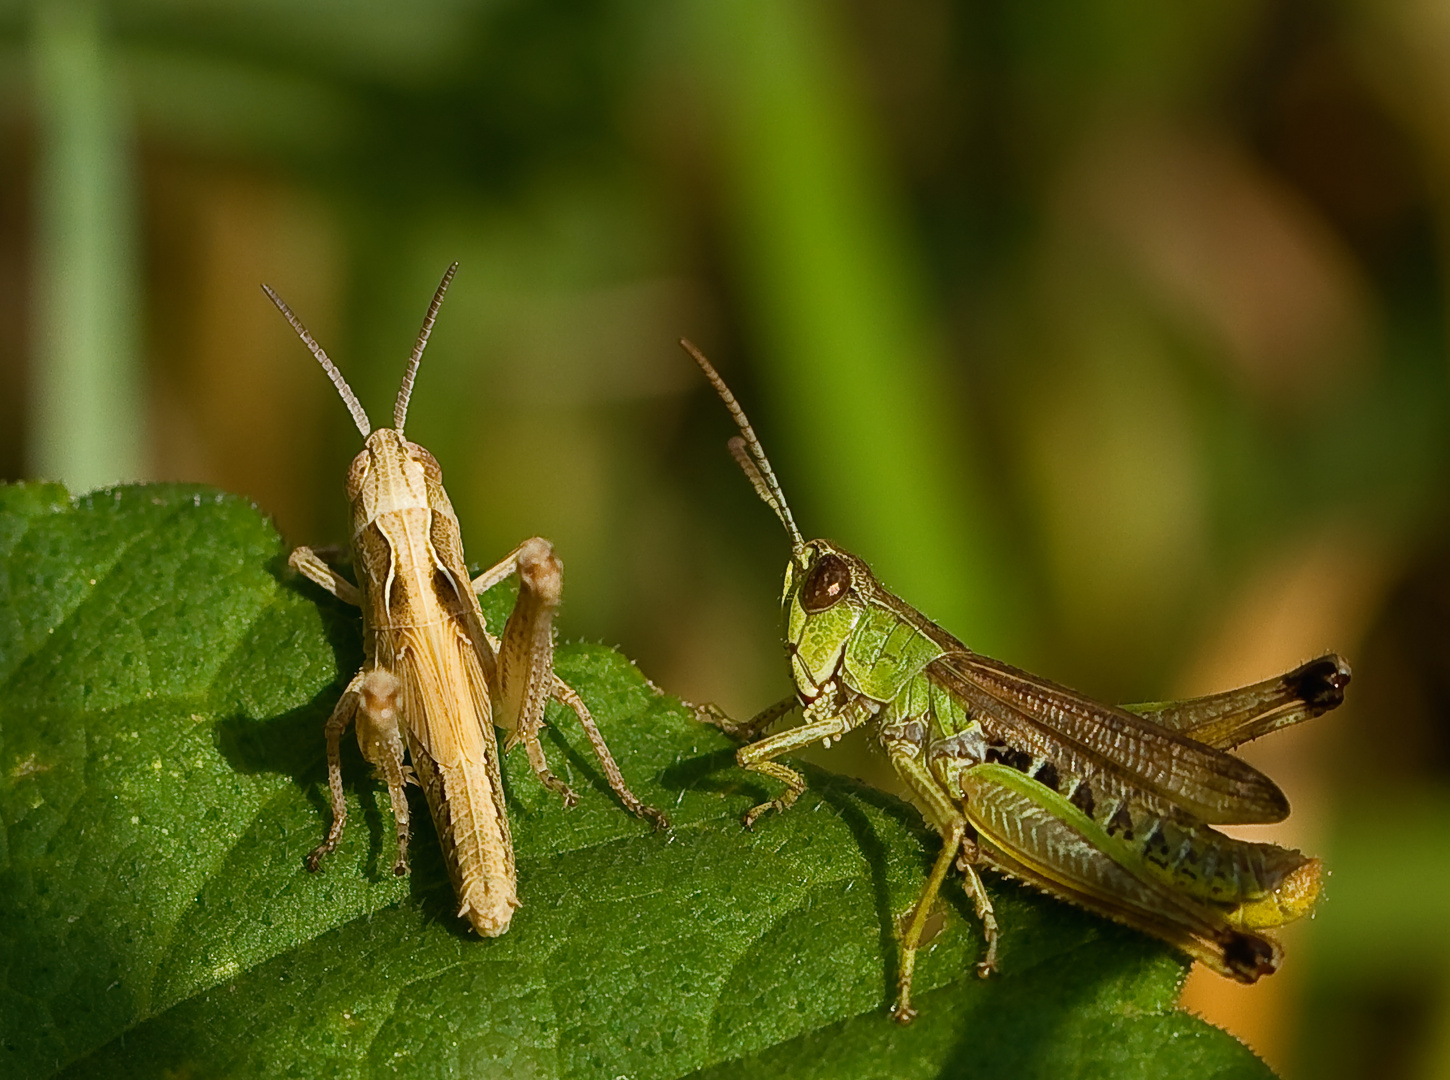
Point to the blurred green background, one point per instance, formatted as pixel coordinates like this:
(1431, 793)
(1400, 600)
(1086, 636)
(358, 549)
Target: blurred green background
(1113, 335)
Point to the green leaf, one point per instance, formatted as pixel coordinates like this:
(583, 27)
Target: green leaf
(166, 679)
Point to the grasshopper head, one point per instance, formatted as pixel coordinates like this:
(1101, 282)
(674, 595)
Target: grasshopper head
(822, 603)
(392, 474)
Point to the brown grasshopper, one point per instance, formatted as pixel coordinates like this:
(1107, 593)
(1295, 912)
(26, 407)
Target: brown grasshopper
(433, 679)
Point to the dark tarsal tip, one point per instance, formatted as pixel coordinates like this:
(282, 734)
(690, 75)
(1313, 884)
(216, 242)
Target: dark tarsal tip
(1248, 956)
(1320, 683)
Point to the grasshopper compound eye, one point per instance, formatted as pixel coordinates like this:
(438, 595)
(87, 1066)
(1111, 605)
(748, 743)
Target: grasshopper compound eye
(828, 581)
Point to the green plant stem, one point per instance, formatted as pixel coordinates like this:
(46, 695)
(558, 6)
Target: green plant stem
(86, 425)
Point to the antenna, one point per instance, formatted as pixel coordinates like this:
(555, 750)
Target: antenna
(359, 416)
(745, 448)
(400, 407)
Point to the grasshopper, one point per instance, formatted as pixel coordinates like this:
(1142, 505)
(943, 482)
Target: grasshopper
(433, 680)
(1108, 808)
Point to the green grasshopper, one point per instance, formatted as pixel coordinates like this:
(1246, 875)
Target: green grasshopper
(1110, 808)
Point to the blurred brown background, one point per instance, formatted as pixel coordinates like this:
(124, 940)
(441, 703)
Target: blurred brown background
(1114, 335)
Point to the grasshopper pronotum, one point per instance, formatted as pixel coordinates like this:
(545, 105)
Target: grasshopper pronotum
(433, 679)
(1108, 808)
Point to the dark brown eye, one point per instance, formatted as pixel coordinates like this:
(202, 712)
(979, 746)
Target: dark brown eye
(828, 581)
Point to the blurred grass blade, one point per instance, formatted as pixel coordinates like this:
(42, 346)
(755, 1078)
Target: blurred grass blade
(87, 422)
(837, 302)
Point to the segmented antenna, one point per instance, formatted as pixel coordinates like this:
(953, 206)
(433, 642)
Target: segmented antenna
(400, 407)
(753, 461)
(359, 417)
